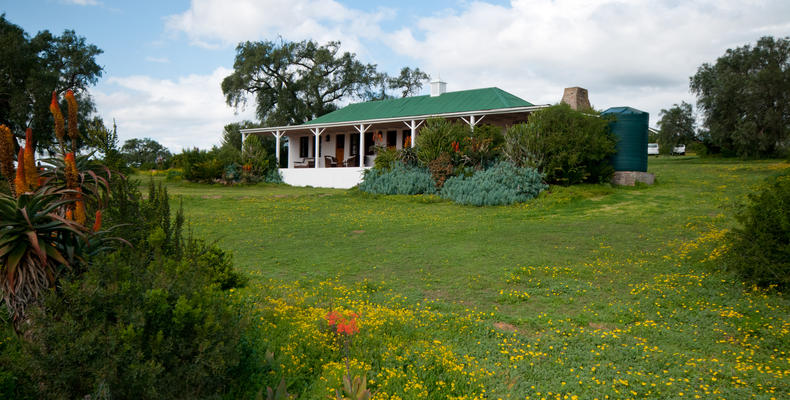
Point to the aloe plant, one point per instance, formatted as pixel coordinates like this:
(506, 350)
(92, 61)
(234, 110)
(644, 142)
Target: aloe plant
(36, 244)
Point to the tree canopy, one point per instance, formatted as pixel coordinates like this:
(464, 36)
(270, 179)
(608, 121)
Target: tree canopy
(31, 68)
(676, 126)
(745, 98)
(294, 82)
(145, 153)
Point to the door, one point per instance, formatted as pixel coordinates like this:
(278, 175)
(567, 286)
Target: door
(340, 149)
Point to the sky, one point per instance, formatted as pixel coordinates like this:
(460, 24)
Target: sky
(164, 60)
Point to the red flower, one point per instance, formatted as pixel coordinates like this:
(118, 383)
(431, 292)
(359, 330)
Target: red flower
(332, 317)
(344, 324)
(348, 327)
(97, 222)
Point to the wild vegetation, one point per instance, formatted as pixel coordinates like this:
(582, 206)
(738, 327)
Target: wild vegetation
(587, 290)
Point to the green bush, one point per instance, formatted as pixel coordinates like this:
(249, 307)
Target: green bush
(437, 138)
(483, 148)
(400, 179)
(759, 250)
(130, 328)
(385, 158)
(501, 184)
(567, 146)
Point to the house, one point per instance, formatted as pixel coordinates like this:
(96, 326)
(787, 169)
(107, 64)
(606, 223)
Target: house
(345, 139)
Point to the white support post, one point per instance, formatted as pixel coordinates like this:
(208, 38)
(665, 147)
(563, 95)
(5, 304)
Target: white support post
(471, 121)
(413, 126)
(317, 134)
(362, 128)
(243, 138)
(277, 135)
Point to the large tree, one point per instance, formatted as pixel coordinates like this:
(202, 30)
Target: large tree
(145, 153)
(745, 98)
(31, 68)
(293, 82)
(676, 126)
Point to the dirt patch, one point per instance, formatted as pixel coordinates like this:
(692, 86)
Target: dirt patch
(504, 326)
(600, 326)
(280, 196)
(214, 197)
(359, 232)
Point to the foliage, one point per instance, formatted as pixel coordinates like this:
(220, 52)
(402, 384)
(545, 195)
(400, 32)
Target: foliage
(146, 153)
(501, 184)
(231, 134)
(745, 98)
(44, 223)
(256, 156)
(137, 329)
(565, 145)
(676, 127)
(399, 179)
(408, 156)
(293, 82)
(409, 81)
(483, 148)
(199, 165)
(385, 158)
(32, 67)
(437, 137)
(441, 168)
(36, 245)
(100, 138)
(759, 250)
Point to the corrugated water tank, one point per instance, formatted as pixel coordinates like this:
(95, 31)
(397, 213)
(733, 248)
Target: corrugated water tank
(630, 127)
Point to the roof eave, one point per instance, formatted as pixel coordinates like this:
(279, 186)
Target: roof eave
(285, 128)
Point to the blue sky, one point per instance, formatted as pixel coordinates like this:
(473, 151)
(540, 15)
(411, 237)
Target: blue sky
(163, 60)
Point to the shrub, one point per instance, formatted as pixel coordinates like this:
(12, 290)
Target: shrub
(483, 148)
(441, 168)
(759, 250)
(567, 146)
(501, 184)
(385, 158)
(256, 156)
(273, 176)
(408, 156)
(437, 138)
(130, 328)
(398, 180)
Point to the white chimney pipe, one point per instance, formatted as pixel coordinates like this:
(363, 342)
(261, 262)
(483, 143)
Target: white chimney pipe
(438, 87)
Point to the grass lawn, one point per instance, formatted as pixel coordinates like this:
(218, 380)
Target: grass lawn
(589, 291)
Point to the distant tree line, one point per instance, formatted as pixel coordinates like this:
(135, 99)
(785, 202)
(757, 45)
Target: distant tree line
(744, 102)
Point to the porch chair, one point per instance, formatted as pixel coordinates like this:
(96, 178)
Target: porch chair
(352, 161)
(330, 161)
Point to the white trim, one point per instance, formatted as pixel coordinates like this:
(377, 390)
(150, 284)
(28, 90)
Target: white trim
(512, 110)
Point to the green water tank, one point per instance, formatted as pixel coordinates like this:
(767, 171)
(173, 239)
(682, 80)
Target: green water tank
(630, 127)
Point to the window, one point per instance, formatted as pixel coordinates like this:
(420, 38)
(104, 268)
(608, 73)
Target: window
(406, 139)
(370, 145)
(304, 146)
(392, 139)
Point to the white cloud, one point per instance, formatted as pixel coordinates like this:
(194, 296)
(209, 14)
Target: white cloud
(158, 60)
(82, 2)
(187, 112)
(216, 23)
(638, 53)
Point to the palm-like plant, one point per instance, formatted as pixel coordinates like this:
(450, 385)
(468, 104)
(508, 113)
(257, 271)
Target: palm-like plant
(36, 244)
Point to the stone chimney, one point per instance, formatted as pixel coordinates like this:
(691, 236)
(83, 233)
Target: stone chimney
(438, 87)
(576, 97)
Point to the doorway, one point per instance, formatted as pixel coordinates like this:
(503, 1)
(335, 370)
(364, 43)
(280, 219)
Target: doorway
(340, 149)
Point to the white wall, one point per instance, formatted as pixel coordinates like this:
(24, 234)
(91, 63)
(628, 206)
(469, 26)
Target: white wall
(339, 178)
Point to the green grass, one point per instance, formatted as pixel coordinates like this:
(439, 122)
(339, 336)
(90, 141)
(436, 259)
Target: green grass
(588, 290)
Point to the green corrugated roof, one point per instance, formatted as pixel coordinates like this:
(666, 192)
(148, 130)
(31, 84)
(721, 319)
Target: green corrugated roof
(450, 102)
